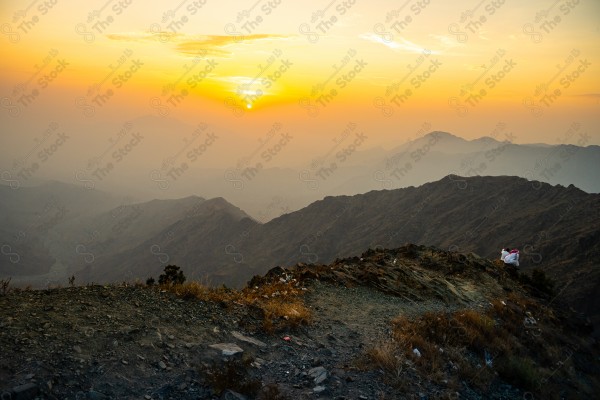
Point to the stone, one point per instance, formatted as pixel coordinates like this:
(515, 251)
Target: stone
(93, 395)
(319, 389)
(27, 391)
(319, 374)
(228, 349)
(162, 365)
(248, 339)
(77, 349)
(231, 395)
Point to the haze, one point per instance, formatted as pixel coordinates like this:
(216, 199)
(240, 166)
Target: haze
(167, 99)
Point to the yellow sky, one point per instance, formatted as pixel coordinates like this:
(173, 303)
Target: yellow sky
(460, 66)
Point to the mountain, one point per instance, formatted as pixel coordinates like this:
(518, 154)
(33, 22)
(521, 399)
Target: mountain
(137, 240)
(30, 218)
(555, 227)
(411, 322)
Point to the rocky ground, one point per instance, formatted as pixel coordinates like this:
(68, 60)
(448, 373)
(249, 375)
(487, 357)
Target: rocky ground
(137, 342)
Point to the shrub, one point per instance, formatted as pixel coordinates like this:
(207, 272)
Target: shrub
(519, 371)
(171, 276)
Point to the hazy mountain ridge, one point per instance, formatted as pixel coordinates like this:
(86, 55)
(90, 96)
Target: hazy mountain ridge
(555, 228)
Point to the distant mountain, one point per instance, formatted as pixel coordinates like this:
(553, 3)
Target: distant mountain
(348, 166)
(30, 216)
(136, 241)
(556, 228)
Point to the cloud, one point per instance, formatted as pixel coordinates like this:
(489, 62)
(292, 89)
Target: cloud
(399, 45)
(446, 41)
(215, 45)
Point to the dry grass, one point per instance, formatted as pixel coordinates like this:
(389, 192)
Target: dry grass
(454, 347)
(279, 302)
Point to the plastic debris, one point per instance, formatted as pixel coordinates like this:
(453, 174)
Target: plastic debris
(416, 352)
(287, 338)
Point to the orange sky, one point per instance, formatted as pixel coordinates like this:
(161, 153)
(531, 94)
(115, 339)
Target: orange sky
(313, 66)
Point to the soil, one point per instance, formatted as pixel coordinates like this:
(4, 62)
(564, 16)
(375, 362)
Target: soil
(134, 342)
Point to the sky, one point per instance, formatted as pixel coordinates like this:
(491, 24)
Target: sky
(80, 81)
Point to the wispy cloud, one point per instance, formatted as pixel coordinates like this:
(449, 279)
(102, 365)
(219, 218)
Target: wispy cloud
(401, 44)
(215, 45)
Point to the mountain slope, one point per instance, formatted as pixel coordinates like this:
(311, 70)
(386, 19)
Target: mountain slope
(411, 322)
(555, 227)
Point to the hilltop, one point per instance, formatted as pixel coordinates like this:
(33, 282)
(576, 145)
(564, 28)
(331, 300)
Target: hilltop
(415, 322)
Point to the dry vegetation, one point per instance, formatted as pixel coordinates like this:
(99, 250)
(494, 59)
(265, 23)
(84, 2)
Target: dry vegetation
(517, 341)
(279, 302)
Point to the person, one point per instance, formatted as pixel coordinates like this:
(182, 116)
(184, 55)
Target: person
(512, 258)
(504, 253)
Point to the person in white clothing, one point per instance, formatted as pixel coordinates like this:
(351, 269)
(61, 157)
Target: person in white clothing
(504, 253)
(512, 258)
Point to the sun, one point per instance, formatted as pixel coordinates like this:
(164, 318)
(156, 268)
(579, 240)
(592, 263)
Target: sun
(248, 106)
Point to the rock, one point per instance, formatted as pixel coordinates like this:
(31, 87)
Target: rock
(93, 395)
(247, 339)
(319, 374)
(77, 349)
(27, 391)
(231, 395)
(228, 349)
(319, 389)
(162, 365)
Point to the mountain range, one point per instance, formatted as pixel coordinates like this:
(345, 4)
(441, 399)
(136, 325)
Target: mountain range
(555, 227)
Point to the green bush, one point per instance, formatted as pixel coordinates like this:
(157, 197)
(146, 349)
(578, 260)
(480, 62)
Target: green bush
(171, 276)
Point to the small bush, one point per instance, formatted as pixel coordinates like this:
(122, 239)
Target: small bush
(150, 281)
(519, 371)
(171, 276)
